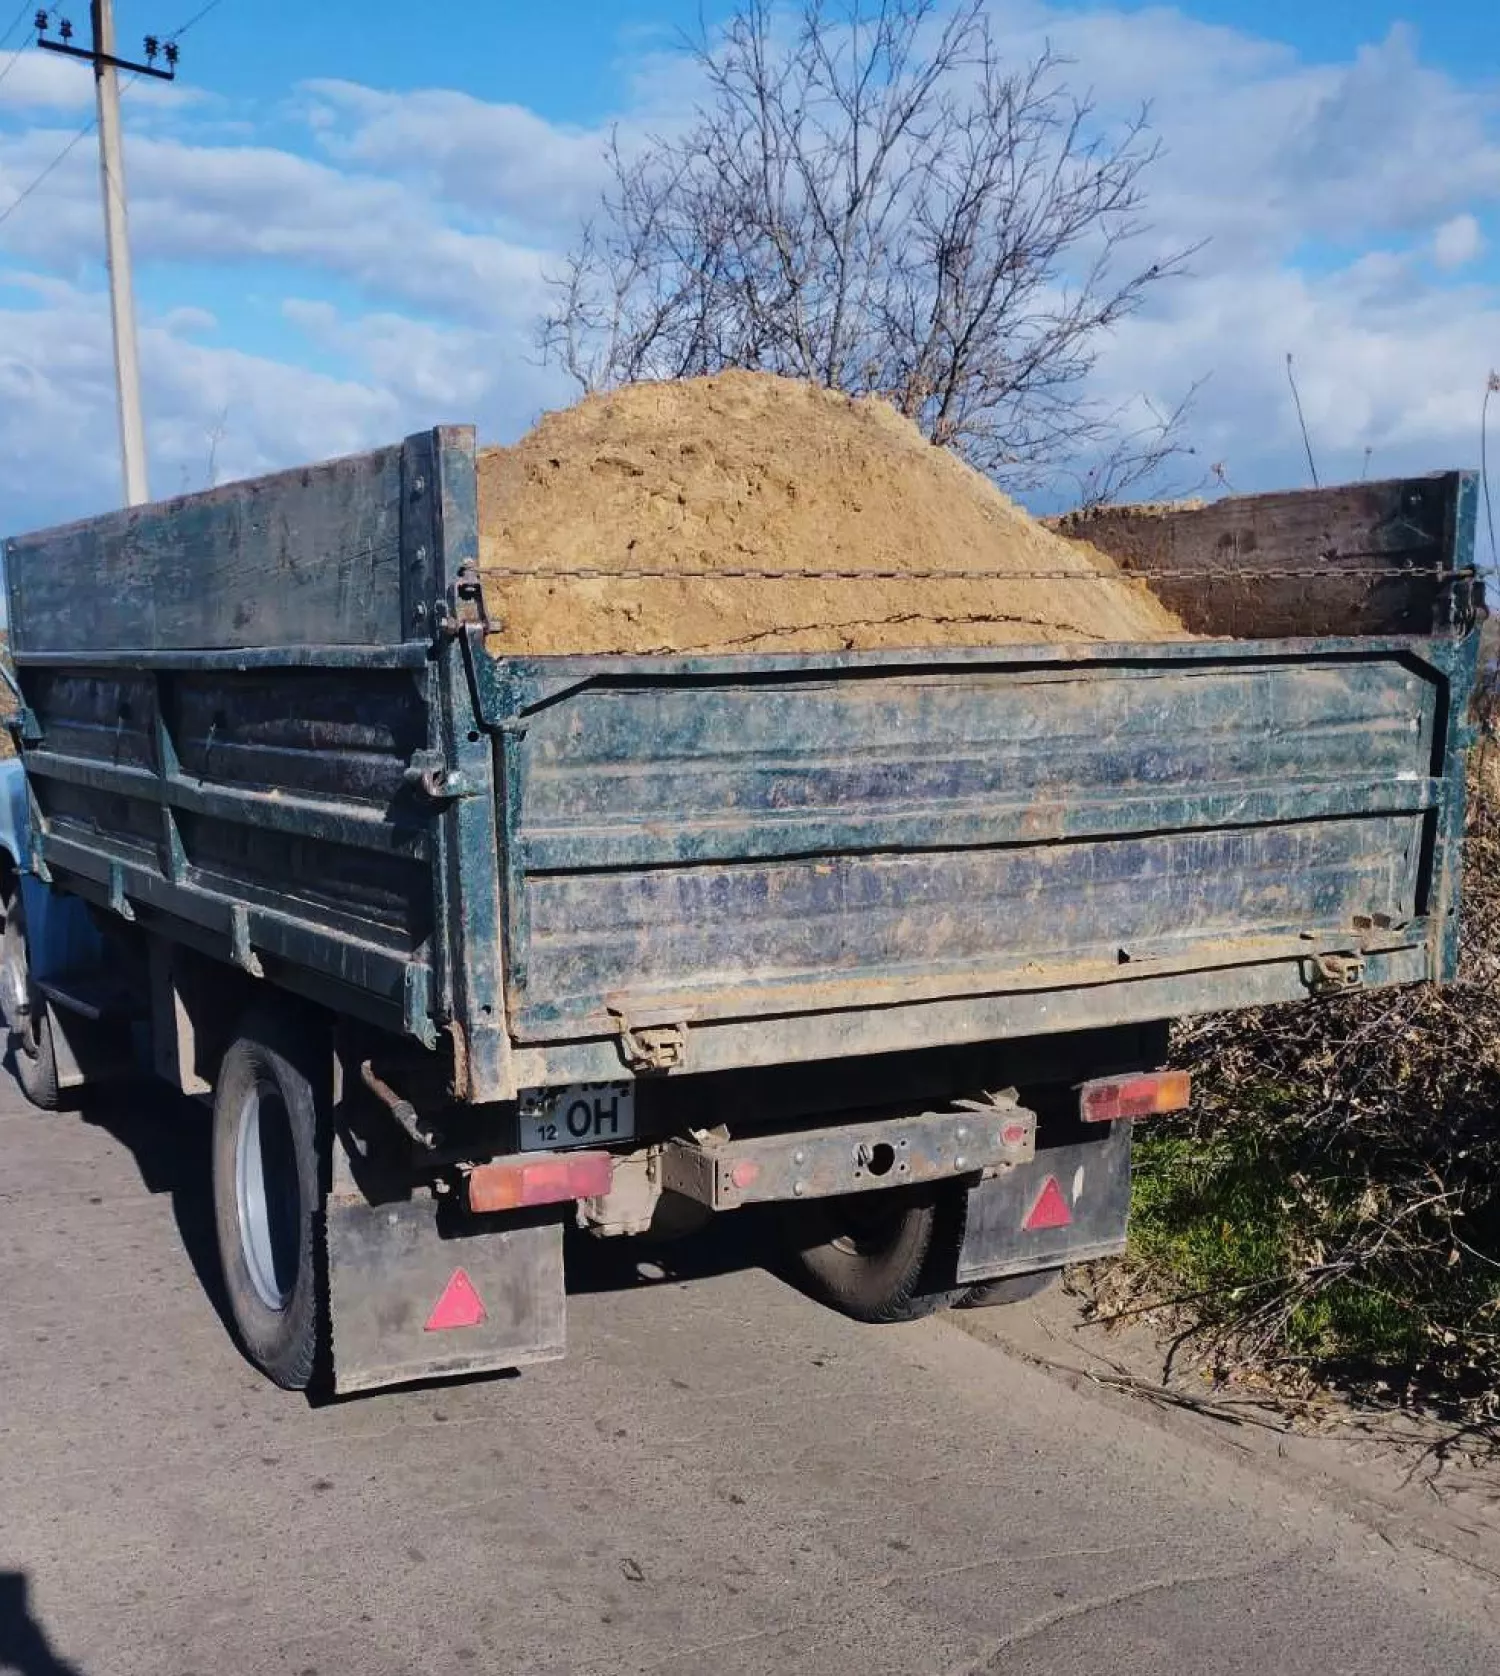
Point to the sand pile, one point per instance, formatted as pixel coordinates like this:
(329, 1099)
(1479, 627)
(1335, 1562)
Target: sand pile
(745, 471)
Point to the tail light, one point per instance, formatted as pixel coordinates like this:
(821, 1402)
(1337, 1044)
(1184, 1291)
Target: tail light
(549, 1179)
(1112, 1098)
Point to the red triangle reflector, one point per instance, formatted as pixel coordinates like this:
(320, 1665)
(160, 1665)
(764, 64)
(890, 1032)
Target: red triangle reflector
(1050, 1210)
(459, 1306)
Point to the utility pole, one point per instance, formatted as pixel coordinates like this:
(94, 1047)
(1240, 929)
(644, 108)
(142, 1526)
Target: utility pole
(107, 66)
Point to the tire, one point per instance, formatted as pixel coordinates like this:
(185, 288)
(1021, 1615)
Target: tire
(28, 1022)
(268, 1174)
(881, 1257)
(1009, 1289)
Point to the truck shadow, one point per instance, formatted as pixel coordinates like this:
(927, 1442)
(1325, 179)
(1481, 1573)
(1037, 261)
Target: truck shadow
(24, 1647)
(170, 1139)
(726, 1245)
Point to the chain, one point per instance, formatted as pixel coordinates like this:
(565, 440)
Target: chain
(641, 573)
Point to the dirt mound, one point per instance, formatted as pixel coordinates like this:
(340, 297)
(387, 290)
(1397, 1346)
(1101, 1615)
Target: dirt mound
(744, 471)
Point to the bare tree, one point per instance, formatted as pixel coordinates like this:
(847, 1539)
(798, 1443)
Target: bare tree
(868, 197)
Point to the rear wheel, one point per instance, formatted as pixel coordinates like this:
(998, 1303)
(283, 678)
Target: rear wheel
(26, 1016)
(268, 1201)
(881, 1257)
(1009, 1289)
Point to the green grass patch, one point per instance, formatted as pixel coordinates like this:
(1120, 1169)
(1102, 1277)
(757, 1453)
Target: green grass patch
(1332, 1200)
(1240, 1228)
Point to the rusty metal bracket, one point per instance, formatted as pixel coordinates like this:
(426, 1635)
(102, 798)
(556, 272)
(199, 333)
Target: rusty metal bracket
(240, 950)
(430, 776)
(118, 901)
(400, 1108)
(980, 1139)
(463, 608)
(1333, 974)
(459, 1084)
(655, 1047)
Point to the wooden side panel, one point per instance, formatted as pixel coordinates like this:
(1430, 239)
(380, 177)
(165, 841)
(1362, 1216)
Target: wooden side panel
(307, 557)
(1363, 558)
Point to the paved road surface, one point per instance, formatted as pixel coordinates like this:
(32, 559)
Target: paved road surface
(722, 1478)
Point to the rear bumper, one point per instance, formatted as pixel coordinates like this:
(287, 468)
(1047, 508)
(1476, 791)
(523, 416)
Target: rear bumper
(900, 1151)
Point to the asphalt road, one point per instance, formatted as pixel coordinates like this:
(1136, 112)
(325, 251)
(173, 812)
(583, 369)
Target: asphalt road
(721, 1478)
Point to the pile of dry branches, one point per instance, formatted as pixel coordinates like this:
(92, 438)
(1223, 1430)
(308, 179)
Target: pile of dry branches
(1331, 1207)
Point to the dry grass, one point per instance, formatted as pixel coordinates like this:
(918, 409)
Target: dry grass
(1330, 1209)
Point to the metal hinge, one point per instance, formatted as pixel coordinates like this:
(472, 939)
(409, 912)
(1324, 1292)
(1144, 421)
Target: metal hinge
(464, 608)
(653, 1047)
(1333, 974)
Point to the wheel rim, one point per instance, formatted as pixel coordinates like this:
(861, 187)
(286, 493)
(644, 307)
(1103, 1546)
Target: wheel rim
(268, 1196)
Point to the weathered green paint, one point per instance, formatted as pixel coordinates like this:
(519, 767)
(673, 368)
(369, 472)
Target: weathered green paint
(468, 882)
(301, 557)
(795, 856)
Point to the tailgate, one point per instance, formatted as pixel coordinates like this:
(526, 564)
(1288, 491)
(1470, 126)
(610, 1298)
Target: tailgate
(756, 839)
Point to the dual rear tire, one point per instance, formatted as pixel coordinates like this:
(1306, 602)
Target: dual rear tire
(893, 1255)
(879, 1257)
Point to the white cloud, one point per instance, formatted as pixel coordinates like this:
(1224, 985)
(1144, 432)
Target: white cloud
(57, 408)
(439, 373)
(226, 204)
(39, 81)
(502, 160)
(1457, 242)
(1343, 202)
(1263, 150)
(1397, 370)
(45, 81)
(182, 322)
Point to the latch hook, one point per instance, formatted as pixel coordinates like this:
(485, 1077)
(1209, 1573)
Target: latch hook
(1333, 974)
(653, 1047)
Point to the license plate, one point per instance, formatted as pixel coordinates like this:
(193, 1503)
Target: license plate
(582, 1114)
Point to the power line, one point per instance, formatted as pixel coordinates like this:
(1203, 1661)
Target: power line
(62, 156)
(93, 122)
(196, 18)
(14, 25)
(1291, 379)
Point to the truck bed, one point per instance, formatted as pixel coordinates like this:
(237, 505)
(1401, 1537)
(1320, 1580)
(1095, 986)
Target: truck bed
(264, 721)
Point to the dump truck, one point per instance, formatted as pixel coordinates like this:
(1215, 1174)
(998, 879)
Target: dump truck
(473, 956)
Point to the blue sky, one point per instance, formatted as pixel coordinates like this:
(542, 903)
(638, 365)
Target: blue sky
(344, 214)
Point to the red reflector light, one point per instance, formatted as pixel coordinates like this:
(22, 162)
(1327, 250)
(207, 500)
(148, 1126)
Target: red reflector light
(1050, 1210)
(1113, 1098)
(459, 1306)
(549, 1179)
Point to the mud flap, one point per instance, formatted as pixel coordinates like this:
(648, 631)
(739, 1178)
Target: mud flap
(1070, 1204)
(412, 1296)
